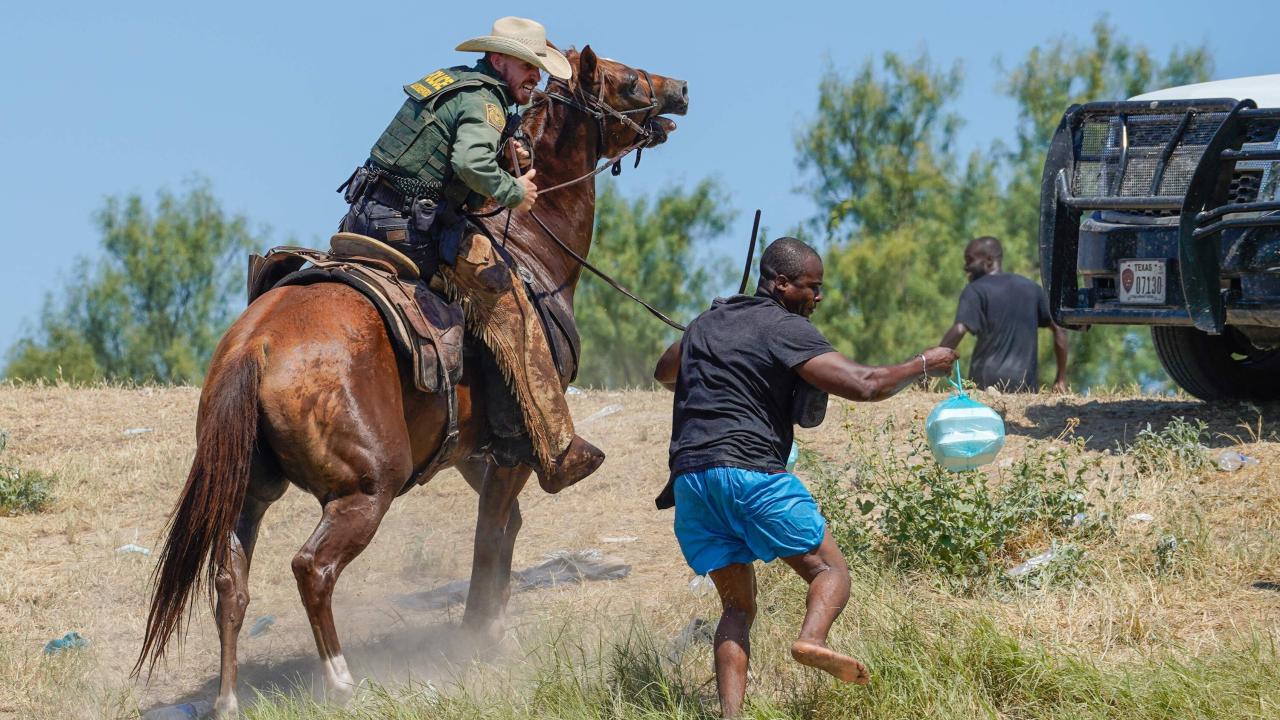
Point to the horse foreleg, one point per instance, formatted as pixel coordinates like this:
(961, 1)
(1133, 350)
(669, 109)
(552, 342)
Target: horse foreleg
(505, 550)
(346, 527)
(474, 472)
(232, 584)
(497, 524)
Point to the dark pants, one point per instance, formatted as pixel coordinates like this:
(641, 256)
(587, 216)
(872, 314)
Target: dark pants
(369, 217)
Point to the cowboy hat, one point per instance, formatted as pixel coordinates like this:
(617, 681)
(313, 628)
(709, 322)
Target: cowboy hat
(523, 39)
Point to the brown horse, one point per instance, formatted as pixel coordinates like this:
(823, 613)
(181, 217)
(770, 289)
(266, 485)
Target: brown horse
(306, 388)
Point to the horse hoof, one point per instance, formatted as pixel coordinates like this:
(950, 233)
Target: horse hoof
(487, 633)
(341, 695)
(339, 685)
(226, 709)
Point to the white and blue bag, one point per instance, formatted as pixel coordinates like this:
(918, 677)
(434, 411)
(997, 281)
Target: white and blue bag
(963, 433)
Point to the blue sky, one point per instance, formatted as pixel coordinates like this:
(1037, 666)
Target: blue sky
(275, 103)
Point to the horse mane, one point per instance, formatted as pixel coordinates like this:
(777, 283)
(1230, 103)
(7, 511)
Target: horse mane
(534, 122)
(535, 117)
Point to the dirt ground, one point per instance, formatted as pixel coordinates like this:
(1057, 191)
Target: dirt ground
(121, 455)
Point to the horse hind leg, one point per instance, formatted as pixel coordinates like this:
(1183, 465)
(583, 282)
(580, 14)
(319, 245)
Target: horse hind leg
(346, 527)
(232, 581)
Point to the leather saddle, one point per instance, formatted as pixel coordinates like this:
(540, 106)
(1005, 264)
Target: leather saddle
(425, 328)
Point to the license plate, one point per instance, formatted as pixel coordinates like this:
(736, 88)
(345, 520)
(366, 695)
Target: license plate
(1142, 282)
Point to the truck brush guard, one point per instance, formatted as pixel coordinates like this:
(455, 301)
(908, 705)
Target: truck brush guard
(1205, 162)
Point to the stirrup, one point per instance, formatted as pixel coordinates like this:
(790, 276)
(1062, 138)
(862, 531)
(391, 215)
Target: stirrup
(355, 245)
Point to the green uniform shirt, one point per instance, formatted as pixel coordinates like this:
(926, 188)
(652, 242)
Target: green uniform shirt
(455, 117)
(474, 154)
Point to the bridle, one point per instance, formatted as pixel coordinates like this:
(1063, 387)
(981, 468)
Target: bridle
(601, 111)
(597, 108)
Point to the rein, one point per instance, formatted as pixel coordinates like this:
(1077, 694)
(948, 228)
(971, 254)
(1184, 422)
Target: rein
(605, 277)
(598, 109)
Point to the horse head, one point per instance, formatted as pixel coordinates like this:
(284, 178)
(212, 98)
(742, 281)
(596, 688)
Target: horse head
(628, 104)
(604, 110)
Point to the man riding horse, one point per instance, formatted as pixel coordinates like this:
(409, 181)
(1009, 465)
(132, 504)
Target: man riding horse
(312, 385)
(438, 161)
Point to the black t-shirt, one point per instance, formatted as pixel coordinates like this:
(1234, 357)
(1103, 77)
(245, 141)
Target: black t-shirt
(1003, 310)
(734, 390)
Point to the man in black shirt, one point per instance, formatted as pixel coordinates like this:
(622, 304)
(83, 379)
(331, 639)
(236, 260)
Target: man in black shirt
(1003, 310)
(736, 374)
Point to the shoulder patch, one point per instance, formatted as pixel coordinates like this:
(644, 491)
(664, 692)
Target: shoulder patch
(429, 84)
(493, 114)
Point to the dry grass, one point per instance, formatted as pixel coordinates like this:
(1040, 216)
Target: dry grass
(59, 570)
(1223, 583)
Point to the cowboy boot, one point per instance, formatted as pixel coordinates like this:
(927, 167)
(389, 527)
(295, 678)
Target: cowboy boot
(578, 460)
(501, 314)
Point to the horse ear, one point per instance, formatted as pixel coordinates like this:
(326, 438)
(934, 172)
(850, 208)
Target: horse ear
(587, 68)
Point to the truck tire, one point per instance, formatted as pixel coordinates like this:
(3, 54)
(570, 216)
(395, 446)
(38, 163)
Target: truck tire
(1217, 367)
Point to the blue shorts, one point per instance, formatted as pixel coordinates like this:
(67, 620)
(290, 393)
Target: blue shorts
(727, 515)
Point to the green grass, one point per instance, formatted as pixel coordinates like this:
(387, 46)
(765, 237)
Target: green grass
(927, 662)
(907, 512)
(1174, 448)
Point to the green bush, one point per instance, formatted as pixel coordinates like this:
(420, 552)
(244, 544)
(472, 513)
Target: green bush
(914, 515)
(1174, 449)
(21, 491)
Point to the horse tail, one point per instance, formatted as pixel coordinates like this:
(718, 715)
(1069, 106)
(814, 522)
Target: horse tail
(206, 513)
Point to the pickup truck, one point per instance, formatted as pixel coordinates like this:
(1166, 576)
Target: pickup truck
(1163, 210)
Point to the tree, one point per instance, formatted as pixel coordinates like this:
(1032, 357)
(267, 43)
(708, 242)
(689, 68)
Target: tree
(879, 149)
(152, 307)
(652, 248)
(896, 206)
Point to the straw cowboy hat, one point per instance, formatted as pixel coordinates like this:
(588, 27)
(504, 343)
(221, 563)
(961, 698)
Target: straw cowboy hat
(523, 39)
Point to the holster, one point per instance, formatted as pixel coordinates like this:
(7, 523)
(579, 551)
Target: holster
(447, 227)
(353, 189)
(422, 215)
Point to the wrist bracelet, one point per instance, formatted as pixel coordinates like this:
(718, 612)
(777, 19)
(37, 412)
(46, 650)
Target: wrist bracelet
(924, 366)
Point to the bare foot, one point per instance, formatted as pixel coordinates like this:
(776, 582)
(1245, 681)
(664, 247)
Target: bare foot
(817, 655)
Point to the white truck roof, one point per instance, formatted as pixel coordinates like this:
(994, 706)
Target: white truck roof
(1262, 89)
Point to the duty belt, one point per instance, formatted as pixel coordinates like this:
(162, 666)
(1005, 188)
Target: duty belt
(399, 192)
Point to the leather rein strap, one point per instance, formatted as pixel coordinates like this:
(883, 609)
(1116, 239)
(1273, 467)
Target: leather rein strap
(605, 276)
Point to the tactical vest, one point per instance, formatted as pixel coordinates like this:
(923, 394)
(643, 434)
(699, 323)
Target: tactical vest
(417, 143)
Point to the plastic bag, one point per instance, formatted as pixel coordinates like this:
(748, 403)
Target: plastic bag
(963, 433)
(793, 457)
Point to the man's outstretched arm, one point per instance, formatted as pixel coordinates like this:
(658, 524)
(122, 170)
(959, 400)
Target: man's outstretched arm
(838, 375)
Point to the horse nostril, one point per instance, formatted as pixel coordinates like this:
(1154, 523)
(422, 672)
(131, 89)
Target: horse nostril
(684, 92)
